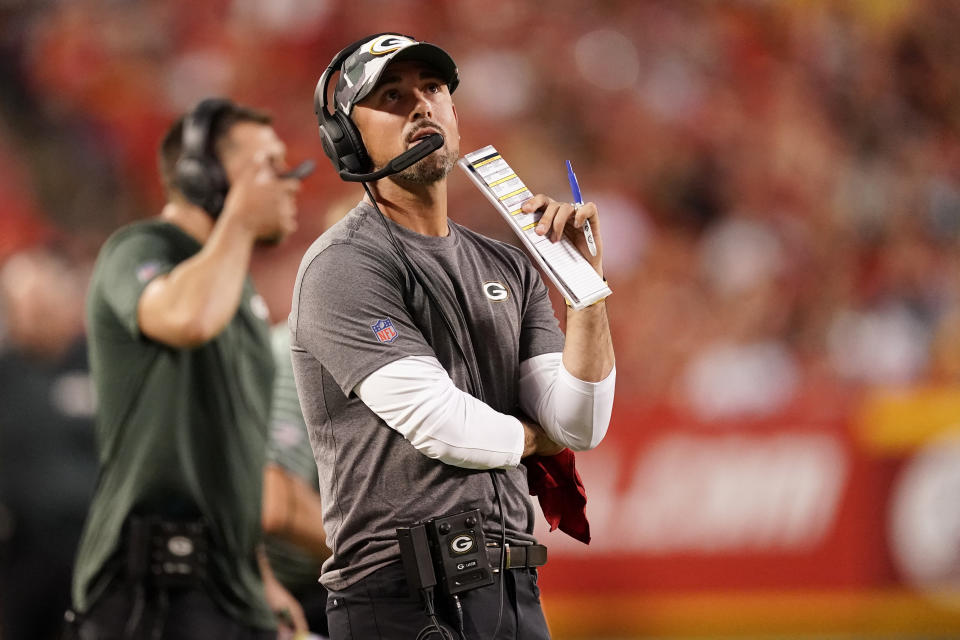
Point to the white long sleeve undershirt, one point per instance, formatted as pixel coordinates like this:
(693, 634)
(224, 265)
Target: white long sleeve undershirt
(416, 397)
(573, 412)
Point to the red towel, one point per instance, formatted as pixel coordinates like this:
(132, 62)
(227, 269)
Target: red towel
(563, 498)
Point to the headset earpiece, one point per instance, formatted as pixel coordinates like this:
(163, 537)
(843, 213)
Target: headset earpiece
(198, 173)
(340, 138)
(343, 143)
(203, 183)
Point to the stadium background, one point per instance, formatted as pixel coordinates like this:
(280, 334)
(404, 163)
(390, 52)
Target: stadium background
(779, 185)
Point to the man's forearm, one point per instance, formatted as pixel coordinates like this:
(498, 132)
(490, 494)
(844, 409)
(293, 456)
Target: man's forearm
(415, 397)
(588, 348)
(292, 511)
(195, 301)
(572, 412)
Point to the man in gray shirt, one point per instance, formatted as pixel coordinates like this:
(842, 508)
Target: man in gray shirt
(428, 359)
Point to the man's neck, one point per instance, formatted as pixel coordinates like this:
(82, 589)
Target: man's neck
(193, 220)
(420, 208)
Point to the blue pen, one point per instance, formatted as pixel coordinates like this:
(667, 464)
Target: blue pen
(577, 201)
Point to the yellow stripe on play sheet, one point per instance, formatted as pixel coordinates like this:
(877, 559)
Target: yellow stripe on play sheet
(513, 193)
(509, 177)
(487, 161)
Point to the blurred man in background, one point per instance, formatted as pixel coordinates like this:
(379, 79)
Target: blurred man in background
(181, 360)
(47, 457)
(292, 513)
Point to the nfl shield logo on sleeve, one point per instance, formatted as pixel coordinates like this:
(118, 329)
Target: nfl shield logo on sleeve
(147, 270)
(384, 330)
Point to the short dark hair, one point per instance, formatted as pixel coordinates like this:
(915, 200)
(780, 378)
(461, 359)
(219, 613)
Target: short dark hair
(171, 146)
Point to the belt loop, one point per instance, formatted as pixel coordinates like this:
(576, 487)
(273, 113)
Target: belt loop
(506, 551)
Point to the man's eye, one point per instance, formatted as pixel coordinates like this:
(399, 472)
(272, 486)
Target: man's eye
(392, 94)
(433, 87)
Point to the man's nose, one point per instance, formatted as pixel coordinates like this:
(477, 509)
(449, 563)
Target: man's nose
(423, 107)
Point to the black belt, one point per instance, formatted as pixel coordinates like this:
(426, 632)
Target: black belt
(518, 556)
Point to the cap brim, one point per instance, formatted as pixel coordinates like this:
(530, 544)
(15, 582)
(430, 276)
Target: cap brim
(423, 52)
(435, 57)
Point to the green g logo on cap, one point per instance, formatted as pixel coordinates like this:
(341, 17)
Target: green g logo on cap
(389, 43)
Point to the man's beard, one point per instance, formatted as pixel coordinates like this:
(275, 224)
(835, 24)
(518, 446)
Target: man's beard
(434, 167)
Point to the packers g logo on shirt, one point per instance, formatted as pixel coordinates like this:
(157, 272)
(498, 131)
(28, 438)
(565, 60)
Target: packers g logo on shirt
(495, 291)
(259, 307)
(389, 44)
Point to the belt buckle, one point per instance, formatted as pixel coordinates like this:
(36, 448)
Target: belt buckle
(506, 557)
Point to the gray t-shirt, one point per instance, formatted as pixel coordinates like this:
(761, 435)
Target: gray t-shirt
(356, 308)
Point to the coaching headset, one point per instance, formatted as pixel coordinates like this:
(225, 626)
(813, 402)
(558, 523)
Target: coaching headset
(341, 139)
(198, 173)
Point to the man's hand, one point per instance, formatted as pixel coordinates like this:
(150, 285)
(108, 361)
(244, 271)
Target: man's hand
(561, 218)
(285, 606)
(292, 511)
(535, 441)
(264, 203)
(289, 613)
(588, 349)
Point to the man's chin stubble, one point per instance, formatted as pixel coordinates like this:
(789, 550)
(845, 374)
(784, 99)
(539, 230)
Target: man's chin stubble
(433, 168)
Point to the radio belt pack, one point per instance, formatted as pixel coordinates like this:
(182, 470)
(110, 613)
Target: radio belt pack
(450, 551)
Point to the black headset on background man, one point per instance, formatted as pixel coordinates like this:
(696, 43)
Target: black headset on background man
(341, 139)
(198, 173)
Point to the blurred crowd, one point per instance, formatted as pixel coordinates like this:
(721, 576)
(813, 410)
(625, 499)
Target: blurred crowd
(778, 181)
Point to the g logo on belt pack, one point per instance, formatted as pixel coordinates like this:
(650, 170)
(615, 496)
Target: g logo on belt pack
(180, 546)
(461, 544)
(495, 291)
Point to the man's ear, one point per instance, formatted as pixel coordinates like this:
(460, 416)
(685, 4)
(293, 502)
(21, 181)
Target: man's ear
(455, 116)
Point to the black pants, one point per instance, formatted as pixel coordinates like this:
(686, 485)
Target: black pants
(381, 606)
(35, 571)
(122, 613)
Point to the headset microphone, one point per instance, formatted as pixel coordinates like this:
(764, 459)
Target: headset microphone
(300, 171)
(409, 157)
